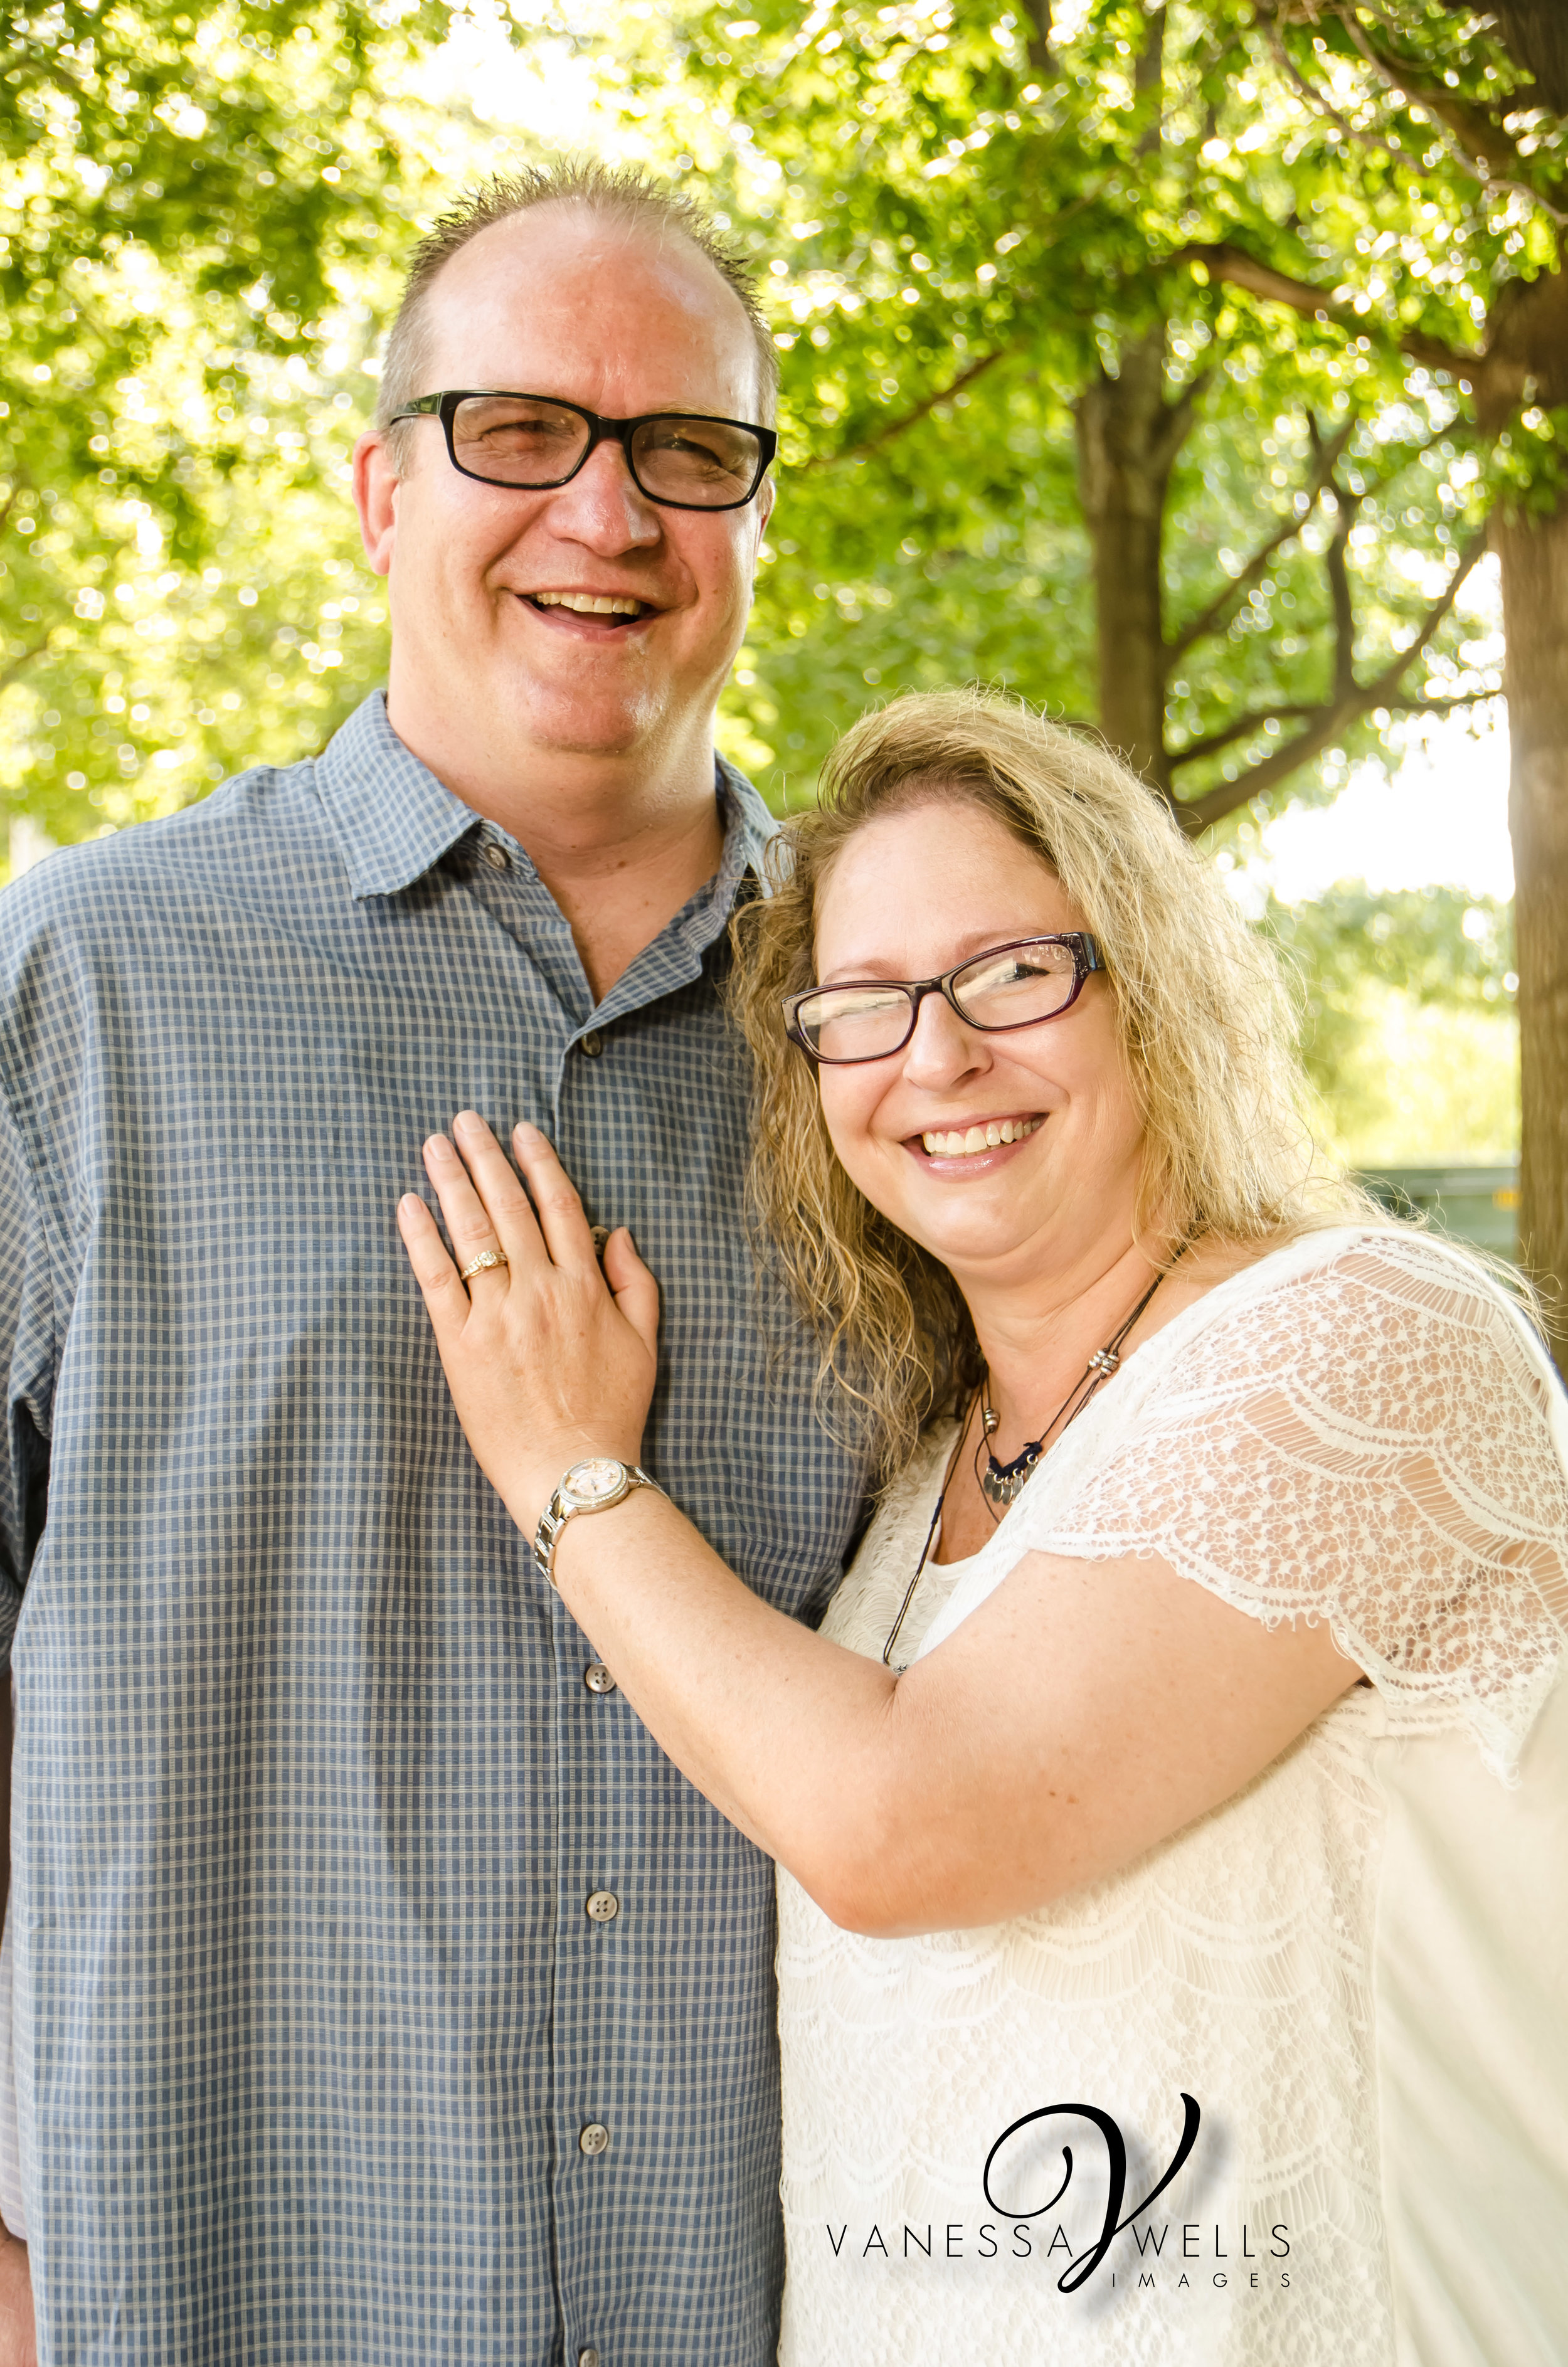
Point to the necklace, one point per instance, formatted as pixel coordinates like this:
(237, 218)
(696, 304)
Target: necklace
(1001, 1482)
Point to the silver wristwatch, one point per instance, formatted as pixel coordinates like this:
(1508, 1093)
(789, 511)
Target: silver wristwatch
(590, 1487)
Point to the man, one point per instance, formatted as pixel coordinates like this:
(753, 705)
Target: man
(382, 1995)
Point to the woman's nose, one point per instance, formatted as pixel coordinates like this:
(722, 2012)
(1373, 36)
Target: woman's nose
(941, 1048)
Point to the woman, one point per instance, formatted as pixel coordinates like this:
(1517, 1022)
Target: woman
(1172, 1813)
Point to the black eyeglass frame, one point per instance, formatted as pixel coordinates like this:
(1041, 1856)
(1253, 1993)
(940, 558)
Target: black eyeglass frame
(1085, 959)
(444, 407)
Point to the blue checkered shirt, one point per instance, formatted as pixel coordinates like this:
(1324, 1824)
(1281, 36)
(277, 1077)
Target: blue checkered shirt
(311, 1791)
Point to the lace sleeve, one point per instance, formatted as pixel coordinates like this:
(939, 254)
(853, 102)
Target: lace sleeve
(1376, 1441)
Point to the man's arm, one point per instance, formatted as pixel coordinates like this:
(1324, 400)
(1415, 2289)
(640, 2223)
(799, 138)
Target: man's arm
(26, 1362)
(19, 2342)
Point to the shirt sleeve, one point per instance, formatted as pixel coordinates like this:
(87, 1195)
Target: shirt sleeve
(27, 1358)
(1378, 1442)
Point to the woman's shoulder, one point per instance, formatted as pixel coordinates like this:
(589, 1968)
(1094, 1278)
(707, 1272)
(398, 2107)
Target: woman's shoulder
(1355, 1299)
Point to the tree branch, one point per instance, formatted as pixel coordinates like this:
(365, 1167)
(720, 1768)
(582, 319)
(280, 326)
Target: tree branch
(1339, 574)
(1148, 74)
(1037, 43)
(1246, 725)
(1328, 457)
(1334, 718)
(1477, 140)
(1232, 263)
(8, 674)
(1177, 420)
(1242, 729)
(1484, 137)
(20, 485)
(912, 418)
(1315, 98)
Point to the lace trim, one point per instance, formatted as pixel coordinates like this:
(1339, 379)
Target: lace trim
(1360, 1429)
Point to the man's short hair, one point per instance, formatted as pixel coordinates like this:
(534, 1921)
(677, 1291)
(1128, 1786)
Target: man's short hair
(622, 194)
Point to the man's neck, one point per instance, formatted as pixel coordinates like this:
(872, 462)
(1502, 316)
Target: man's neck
(618, 891)
(622, 843)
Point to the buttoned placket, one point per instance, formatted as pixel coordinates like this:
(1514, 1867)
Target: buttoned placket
(595, 1895)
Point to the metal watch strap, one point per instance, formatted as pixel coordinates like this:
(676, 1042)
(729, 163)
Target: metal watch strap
(556, 1514)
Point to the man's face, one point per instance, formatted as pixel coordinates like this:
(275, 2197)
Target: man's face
(560, 302)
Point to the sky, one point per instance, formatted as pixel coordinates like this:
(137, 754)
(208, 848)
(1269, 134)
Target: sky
(1440, 819)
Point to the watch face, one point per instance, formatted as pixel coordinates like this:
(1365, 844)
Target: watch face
(598, 1481)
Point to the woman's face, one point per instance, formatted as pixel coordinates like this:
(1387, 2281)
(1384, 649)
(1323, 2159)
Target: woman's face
(911, 895)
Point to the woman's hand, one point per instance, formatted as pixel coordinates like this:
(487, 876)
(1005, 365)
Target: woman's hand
(546, 1363)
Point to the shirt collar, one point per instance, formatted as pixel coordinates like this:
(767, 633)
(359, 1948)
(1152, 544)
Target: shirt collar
(394, 820)
(391, 817)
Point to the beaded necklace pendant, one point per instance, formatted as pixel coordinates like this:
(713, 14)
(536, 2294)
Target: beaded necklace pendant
(1001, 1482)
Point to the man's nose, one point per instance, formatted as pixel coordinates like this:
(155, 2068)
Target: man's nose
(603, 508)
(942, 1049)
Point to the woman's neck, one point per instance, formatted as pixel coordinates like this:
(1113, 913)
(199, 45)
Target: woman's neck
(1036, 1341)
(1037, 1337)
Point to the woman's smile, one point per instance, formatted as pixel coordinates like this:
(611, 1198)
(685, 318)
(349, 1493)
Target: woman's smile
(1038, 1123)
(971, 1146)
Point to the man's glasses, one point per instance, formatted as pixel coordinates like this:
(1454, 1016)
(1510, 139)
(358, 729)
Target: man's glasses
(532, 443)
(1010, 986)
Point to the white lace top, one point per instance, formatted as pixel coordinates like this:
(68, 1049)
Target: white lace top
(1357, 1968)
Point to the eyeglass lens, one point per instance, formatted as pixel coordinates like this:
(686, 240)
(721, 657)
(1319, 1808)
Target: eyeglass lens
(702, 463)
(1008, 989)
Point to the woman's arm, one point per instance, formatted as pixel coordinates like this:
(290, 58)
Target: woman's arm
(1082, 1713)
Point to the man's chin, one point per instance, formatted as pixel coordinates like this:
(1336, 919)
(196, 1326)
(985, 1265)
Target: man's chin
(606, 728)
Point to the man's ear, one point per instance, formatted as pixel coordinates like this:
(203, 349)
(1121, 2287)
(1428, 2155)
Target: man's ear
(376, 482)
(765, 501)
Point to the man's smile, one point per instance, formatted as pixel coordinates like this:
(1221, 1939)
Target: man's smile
(597, 612)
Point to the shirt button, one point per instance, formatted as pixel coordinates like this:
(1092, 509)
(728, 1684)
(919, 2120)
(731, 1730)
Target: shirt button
(603, 1907)
(589, 2356)
(497, 856)
(597, 1678)
(594, 2138)
(592, 1044)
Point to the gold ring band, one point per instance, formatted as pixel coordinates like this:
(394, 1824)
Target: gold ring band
(483, 1262)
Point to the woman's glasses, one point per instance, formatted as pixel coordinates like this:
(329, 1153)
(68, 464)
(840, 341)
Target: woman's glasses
(1010, 986)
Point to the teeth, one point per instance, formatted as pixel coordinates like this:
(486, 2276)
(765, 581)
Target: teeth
(589, 603)
(979, 1137)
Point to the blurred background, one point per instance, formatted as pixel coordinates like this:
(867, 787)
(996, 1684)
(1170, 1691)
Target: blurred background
(1198, 371)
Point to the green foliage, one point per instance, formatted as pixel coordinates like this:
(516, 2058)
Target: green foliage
(1410, 1033)
(966, 230)
(195, 210)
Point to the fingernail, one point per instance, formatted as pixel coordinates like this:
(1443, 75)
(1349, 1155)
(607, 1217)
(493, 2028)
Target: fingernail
(439, 1147)
(465, 1121)
(409, 1200)
(529, 1133)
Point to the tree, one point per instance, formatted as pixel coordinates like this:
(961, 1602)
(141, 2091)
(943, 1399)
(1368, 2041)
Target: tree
(1430, 971)
(1469, 111)
(1137, 365)
(196, 210)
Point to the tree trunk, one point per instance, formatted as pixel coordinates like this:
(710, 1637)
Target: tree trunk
(1128, 438)
(1534, 556)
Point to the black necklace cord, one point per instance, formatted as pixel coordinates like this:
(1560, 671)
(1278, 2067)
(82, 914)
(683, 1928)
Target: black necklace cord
(1100, 1366)
(1001, 1482)
(931, 1532)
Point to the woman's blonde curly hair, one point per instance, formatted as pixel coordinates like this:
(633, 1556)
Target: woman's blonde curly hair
(1207, 1029)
